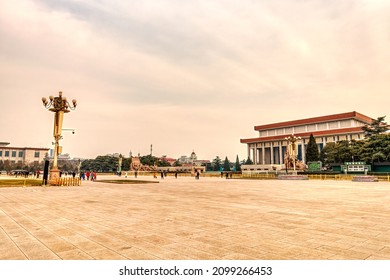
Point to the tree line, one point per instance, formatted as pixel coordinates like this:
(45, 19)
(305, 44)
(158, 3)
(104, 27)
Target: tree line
(111, 164)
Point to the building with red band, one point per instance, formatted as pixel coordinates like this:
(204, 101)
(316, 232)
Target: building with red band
(270, 145)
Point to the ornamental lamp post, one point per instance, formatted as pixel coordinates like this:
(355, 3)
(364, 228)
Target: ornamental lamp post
(59, 105)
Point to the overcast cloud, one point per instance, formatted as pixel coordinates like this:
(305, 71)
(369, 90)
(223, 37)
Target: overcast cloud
(186, 75)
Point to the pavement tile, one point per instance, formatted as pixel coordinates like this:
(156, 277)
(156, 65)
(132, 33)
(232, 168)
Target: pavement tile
(211, 218)
(60, 246)
(74, 254)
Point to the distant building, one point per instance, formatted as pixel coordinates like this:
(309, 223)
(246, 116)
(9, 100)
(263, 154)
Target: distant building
(60, 156)
(188, 160)
(269, 148)
(170, 161)
(23, 155)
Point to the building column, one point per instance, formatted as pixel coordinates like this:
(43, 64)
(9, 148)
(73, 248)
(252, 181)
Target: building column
(263, 153)
(303, 151)
(280, 152)
(255, 154)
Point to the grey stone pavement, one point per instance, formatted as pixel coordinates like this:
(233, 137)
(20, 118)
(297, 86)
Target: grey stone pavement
(210, 218)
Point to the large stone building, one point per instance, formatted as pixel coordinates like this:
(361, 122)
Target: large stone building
(270, 147)
(23, 155)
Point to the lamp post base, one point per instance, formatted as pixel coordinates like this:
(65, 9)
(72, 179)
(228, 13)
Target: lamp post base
(54, 176)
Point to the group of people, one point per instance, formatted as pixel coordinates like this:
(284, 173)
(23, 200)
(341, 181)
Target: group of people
(227, 175)
(88, 175)
(163, 174)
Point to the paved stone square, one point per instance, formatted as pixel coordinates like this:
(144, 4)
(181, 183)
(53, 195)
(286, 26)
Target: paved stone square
(210, 218)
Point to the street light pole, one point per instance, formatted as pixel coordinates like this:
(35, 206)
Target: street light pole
(59, 105)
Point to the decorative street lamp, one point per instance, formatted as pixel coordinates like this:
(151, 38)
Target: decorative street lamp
(59, 105)
(292, 139)
(120, 164)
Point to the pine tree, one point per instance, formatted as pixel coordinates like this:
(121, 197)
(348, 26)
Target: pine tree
(312, 153)
(216, 163)
(238, 165)
(376, 127)
(226, 165)
(249, 161)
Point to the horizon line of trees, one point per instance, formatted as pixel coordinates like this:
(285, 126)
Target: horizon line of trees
(111, 163)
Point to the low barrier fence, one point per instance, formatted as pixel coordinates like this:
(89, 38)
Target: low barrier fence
(345, 177)
(67, 181)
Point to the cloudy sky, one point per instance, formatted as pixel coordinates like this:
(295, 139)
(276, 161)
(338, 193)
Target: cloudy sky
(185, 76)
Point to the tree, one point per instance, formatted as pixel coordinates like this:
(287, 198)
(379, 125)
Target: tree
(238, 165)
(249, 161)
(343, 151)
(327, 153)
(312, 153)
(148, 160)
(375, 149)
(101, 164)
(376, 127)
(216, 164)
(126, 162)
(163, 162)
(226, 165)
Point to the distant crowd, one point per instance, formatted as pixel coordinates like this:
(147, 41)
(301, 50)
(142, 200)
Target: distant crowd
(88, 175)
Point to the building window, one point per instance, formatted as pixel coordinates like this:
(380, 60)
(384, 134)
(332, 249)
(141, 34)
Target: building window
(300, 129)
(36, 154)
(289, 130)
(333, 125)
(1, 153)
(6, 154)
(20, 153)
(311, 127)
(322, 126)
(13, 153)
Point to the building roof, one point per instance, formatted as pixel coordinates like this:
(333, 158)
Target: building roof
(319, 133)
(24, 148)
(335, 117)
